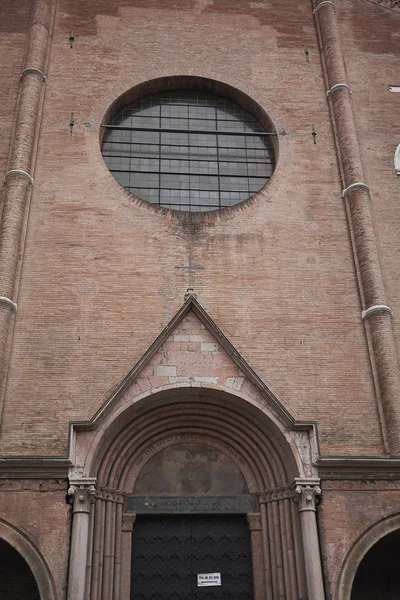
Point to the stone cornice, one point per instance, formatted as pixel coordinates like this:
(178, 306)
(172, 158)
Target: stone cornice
(376, 468)
(33, 468)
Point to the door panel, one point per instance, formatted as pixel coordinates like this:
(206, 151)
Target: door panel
(169, 551)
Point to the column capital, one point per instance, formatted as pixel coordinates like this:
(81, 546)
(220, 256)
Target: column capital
(306, 492)
(83, 494)
(110, 494)
(128, 521)
(280, 493)
(254, 521)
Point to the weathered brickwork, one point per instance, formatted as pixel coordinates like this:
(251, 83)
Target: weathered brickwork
(38, 511)
(377, 58)
(13, 27)
(99, 280)
(97, 274)
(347, 510)
(191, 354)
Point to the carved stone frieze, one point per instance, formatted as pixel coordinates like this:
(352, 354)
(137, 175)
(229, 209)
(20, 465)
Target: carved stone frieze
(277, 494)
(82, 493)
(110, 494)
(305, 441)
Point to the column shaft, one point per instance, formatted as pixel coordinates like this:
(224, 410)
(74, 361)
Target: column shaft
(306, 495)
(254, 521)
(82, 493)
(17, 183)
(379, 328)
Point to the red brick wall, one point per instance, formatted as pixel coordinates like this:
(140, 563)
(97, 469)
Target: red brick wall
(99, 279)
(347, 510)
(370, 36)
(38, 510)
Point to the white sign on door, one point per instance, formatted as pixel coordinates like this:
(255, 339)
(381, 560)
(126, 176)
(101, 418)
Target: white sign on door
(204, 579)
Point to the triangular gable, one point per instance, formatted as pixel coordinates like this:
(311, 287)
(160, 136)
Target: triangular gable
(192, 350)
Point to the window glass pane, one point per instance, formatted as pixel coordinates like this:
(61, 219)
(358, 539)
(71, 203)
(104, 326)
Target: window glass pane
(149, 150)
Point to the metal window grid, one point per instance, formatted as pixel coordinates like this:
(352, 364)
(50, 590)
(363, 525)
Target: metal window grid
(234, 147)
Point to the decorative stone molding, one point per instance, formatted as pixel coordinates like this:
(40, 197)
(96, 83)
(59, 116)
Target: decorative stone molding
(273, 495)
(33, 70)
(397, 160)
(358, 469)
(254, 521)
(19, 173)
(110, 494)
(376, 308)
(28, 468)
(336, 87)
(355, 186)
(128, 522)
(324, 3)
(9, 302)
(83, 494)
(306, 493)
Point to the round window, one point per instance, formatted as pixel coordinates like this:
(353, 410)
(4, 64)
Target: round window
(188, 150)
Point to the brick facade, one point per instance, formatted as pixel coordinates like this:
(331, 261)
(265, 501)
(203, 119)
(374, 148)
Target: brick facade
(94, 270)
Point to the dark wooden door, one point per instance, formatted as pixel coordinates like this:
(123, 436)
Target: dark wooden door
(169, 551)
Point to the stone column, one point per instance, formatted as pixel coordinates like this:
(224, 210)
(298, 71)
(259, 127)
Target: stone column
(376, 314)
(306, 492)
(18, 180)
(128, 521)
(83, 494)
(257, 555)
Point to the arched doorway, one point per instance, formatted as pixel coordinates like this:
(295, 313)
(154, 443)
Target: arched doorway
(197, 459)
(20, 556)
(353, 579)
(195, 448)
(378, 575)
(191, 531)
(16, 578)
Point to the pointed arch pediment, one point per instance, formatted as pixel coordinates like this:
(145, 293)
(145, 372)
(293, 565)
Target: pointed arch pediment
(192, 350)
(191, 360)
